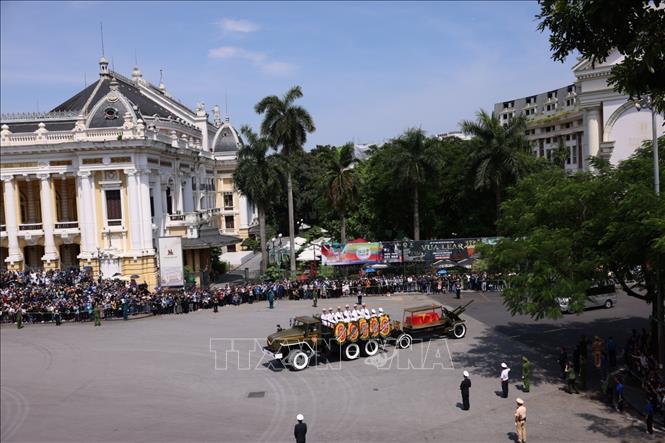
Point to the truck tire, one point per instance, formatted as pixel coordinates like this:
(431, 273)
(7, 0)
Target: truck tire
(459, 331)
(298, 360)
(371, 347)
(404, 341)
(351, 351)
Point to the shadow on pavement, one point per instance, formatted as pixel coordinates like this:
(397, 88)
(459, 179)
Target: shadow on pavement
(611, 429)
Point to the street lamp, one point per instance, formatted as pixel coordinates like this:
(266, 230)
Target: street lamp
(646, 103)
(99, 264)
(279, 251)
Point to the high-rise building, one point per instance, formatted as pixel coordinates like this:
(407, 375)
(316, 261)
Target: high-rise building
(586, 118)
(97, 180)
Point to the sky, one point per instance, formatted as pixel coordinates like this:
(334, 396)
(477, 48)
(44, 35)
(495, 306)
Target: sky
(368, 71)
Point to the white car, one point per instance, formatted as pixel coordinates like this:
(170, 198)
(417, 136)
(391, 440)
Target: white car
(600, 296)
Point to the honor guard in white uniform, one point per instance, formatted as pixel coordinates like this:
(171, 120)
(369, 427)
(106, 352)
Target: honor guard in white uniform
(365, 311)
(347, 314)
(380, 312)
(354, 313)
(373, 314)
(339, 316)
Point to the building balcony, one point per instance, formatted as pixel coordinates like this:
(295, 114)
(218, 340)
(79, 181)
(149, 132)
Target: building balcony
(30, 227)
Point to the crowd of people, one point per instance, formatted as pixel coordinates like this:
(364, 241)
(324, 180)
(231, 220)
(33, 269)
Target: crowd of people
(74, 295)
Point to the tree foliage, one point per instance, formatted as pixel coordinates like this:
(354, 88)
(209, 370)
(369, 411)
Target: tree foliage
(636, 28)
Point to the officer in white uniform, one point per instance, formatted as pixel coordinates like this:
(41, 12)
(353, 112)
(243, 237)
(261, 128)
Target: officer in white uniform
(347, 314)
(365, 311)
(339, 316)
(373, 314)
(380, 312)
(354, 313)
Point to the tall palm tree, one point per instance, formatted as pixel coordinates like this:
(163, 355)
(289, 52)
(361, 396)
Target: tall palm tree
(256, 177)
(412, 164)
(501, 153)
(286, 125)
(340, 182)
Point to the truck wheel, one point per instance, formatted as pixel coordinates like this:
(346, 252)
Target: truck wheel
(460, 330)
(352, 351)
(371, 347)
(404, 341)
(298, 360)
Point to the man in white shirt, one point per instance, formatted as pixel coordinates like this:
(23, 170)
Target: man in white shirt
(347, 314)
(365, 311)
(325, 320)
(505, 371)
(355, 315)
(339, 316)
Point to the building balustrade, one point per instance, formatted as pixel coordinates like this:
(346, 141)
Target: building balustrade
(67, 225)
(30, 227)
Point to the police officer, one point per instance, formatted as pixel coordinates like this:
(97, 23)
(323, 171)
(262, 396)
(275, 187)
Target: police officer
(505, 371)
(464, 388)
(520, 421)
(300, 429)
(97, 314)
(215, 303)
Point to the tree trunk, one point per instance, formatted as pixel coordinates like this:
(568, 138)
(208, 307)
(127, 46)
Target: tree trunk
(497, 195)
(262, 237)
(416, 214)
(292, 250)
(342, 230)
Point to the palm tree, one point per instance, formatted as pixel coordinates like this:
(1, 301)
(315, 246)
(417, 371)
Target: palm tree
(412, 163)
(501, 153)
(256, 177)
(340, 182)
(286, 125)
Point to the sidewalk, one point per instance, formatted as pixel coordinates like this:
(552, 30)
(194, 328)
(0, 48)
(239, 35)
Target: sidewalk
(636, 398)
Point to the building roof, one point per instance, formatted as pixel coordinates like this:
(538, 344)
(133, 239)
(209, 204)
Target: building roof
(209, 237)
(226, 139)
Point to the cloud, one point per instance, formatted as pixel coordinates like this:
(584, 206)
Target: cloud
(258, 59)
(238, 26)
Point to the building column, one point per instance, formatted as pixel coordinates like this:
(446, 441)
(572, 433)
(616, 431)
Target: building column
(157, 204)
(592, 131)
(134, 203)
(177, 196)
(188, 195)
(11, 220)
(50, 251)
(143, 182)
(244, 213)
(86, 216)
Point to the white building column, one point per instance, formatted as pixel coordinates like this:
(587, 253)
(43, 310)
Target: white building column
(11, 220)
(592, 131)
(134, 203)
(143, 183)
(157, 200)
(48, 224)
(87, 218)
(188, 195)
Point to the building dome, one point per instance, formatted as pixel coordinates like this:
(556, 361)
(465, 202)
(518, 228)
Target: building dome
(226, 139)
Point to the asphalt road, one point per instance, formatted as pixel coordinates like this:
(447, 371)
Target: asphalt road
(202, 377)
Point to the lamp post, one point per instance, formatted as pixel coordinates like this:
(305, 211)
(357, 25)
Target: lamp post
(648, 104)
(99, 264)
(272, 250)
(279, 251)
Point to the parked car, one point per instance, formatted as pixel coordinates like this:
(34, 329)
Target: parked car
(598, 296)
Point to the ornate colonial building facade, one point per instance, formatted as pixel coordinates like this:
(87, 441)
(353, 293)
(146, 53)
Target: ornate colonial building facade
(586, 118)
(96, 181)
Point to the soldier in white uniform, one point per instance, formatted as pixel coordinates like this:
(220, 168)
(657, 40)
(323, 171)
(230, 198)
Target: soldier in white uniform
(355, 315)
(339, 316)
(373, 314)
(325, 318)
(347, 314)
(365, 311)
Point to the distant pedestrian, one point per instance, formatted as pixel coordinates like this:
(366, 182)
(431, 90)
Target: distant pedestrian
(360, 297)
(619, 394)
(458, 290)
(57, 316)
(520, 421)
(505, 371)
(215, 303)
(464, 387)
(570, 378)
(649, 414)
(597, 349)
(315, 297)
(300, 430)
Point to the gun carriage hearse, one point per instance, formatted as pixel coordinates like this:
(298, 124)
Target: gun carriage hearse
(309, 337)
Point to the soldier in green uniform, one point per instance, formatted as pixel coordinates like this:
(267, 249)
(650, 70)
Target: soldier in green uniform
(315, 297)
(19, 318)
(526, 369)
(97, 314)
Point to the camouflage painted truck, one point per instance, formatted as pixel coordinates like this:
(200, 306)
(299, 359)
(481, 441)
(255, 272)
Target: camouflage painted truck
(307, 338)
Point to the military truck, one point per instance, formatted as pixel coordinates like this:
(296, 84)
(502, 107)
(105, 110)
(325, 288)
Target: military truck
(308, 337)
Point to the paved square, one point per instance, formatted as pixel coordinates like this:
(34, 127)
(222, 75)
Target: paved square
(154, 379)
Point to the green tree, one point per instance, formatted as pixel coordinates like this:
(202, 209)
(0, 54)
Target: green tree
(411, 166)
(564, 233)
(286, 125)
(340, 182)
(256, 177)
(500, 154)
(594, 29)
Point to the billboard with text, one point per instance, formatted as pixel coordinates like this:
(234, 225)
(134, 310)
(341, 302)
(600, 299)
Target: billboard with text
(170, 262)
